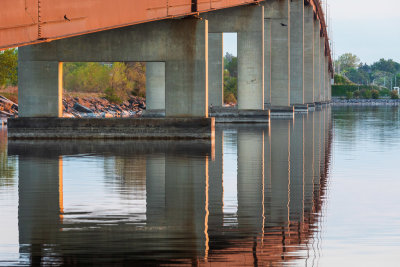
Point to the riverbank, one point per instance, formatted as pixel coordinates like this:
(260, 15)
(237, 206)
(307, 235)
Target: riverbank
(365, 102)
(83, 107)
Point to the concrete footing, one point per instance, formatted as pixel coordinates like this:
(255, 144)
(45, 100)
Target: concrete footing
(300, 108)
(119, 128)
(282, 112)
(311, 107)
(153, 113)
(234, 115)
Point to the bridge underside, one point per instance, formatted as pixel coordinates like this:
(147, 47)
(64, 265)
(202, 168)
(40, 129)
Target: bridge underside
(282, 67)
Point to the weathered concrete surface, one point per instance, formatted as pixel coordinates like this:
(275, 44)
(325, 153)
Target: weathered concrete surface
(235, 115)
(282, 112)
(317, 68)
(277, 14)
(39, 87)
(267, 61)
(149, 128)
(180, 43)
(155, 89)
(248, 22)
(322, 69)
(215, 69)
(296, 23)
(308, 54)
(301, 108)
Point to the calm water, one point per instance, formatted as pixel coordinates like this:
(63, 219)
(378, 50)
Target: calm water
(320, 190)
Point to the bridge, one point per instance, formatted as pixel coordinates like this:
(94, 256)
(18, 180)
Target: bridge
(284, 56)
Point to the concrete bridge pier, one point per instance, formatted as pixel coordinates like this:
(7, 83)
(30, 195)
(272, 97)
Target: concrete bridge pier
(155, 89)
(180, 46)
(277, 23)
(309, 56)
(248, 23)
(215, 70)
(297, 52)
(317, 52)
(322, 69)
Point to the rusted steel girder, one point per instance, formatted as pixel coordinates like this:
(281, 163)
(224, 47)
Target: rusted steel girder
(24, 22)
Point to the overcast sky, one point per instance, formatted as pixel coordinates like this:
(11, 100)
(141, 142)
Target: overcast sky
(368, 28)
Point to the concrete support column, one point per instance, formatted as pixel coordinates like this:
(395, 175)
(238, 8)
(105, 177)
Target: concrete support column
(39, 88)
(327, 79)
(267, 62)
(215, 70)
(277, 15)
(250, 182)
(308, 54)
(317, 68)
(155, 89)
(296, 52)
(322, 70)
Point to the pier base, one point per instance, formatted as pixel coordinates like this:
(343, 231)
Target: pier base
(282, 112)
(234, 115)
(111, 128)
(300, 108)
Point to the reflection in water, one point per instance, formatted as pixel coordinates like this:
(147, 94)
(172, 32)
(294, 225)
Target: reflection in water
(253, 197)
(7, 164)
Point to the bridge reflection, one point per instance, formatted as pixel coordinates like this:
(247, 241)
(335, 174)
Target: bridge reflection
(167, 202)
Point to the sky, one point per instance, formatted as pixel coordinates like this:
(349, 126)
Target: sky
(369, 29)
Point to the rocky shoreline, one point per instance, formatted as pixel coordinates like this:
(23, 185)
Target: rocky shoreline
(365, 102)
(84, 107)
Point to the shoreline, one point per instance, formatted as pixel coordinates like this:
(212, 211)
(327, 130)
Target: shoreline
(365, 102)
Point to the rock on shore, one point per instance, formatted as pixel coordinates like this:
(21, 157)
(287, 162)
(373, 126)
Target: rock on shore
(79, 107)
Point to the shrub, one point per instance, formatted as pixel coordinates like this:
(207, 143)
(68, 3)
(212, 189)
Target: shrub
(349, 95)
(356, 94)
(365, 93)
(375, 94)
(394, 94)
(384, 92)
(229, 98)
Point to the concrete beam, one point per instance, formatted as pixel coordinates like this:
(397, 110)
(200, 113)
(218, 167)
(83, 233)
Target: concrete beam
(296, 52)
(277, 17)
(308, 55)
(182, 44)
(248, 22)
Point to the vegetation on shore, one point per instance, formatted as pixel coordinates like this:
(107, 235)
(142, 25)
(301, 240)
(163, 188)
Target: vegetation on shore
(354, 79)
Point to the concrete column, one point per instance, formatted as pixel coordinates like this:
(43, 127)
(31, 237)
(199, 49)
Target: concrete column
(277, 15)
(215, 70)
(39, 88)
(155, 89)
(250, 182)
(308, 54)
(322, 69)
(267, 62)
(250, 50)
(317, 68)
(327, 79)
(296, 52)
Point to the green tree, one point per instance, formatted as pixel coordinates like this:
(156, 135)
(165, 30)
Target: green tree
(8, 67)
(86, 77)
(347, 61)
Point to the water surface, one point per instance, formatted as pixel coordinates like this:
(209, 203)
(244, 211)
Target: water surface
(319, 190)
